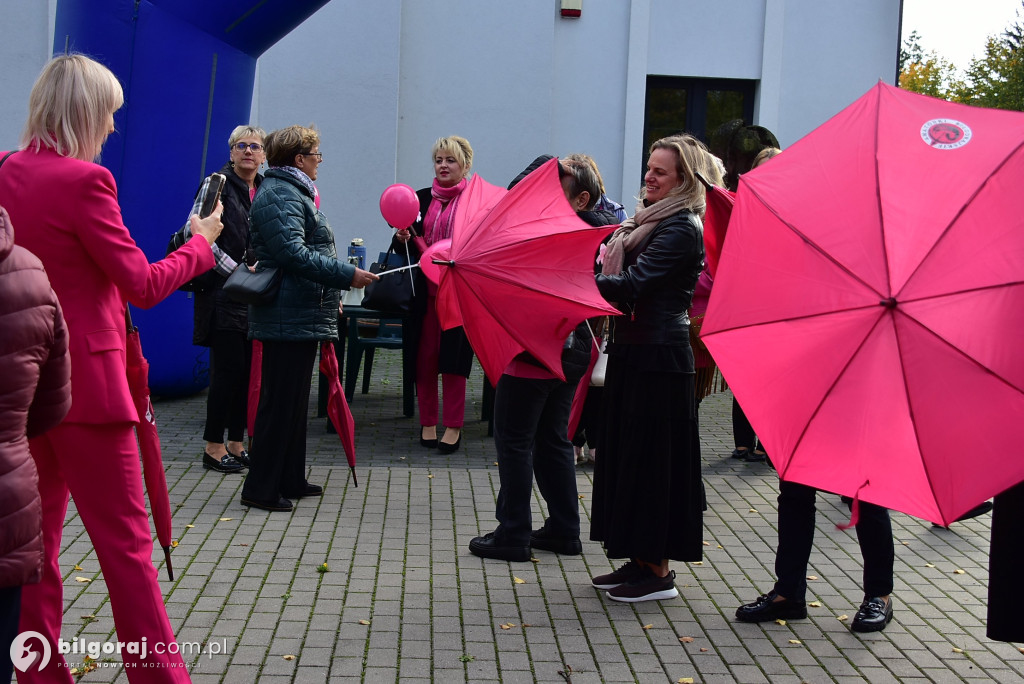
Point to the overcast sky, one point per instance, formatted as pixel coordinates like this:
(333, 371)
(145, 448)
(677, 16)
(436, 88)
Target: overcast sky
(957, 29)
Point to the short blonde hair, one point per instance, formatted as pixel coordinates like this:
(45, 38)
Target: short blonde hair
(691, 156)
(763, 156)
(70, 106)
(456, 146)
(246, 132)
(283, 144)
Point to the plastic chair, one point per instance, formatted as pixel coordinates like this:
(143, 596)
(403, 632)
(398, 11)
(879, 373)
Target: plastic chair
(365, 336)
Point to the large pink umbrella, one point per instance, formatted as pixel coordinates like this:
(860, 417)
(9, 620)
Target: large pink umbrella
(519, 273)
(869, 304)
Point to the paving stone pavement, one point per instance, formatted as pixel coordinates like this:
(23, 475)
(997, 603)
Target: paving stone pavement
(403, 600)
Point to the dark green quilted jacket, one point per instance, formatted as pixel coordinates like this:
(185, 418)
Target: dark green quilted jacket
(288, 231)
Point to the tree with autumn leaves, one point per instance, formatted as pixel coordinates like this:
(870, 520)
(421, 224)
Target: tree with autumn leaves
(996, 79)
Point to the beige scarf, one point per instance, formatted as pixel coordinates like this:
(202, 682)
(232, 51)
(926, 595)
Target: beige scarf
(634, 231)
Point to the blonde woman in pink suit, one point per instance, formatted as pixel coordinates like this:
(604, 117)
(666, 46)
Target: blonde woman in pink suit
(66, 210)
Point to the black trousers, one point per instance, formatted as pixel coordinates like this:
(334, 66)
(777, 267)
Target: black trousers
(796, 536)
(10, 609)
(226, 403)
(279, 445)
(1005, 565)
(531, 425)
(742, 432)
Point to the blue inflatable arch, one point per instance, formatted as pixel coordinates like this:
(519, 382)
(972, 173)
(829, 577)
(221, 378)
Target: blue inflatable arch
(187, 67)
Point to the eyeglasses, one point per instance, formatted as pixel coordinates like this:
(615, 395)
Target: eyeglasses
(319, 155)
(242, 147)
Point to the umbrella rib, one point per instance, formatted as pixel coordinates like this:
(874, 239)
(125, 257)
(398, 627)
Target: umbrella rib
(788, 319)
(814, 245)
(970, 200)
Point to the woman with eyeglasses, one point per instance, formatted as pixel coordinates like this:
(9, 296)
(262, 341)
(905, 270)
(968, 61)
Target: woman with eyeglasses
(290, 233)
(220, 322)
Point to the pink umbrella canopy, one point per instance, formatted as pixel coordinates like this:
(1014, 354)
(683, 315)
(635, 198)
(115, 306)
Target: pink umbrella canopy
(877, 351)
(137, 371)
(519, 274)
(716, 220)
(337, 407)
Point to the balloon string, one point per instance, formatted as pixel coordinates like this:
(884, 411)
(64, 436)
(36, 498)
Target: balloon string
(408, 257)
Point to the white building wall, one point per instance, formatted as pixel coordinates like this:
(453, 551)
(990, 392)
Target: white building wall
(383, 79)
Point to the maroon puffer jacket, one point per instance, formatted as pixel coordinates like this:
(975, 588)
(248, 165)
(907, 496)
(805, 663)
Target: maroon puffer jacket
(35, 395)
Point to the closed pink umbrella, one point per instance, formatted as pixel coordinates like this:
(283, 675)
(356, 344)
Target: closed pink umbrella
(337, 407)
(137, 369)
(876, 347)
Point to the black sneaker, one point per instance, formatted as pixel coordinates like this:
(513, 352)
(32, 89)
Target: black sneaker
(625, 573)
(766, 609)
(874, 614)
(544, 540)
(646, 586)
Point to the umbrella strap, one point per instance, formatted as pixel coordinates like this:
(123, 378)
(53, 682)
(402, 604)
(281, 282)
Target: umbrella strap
(854, 509)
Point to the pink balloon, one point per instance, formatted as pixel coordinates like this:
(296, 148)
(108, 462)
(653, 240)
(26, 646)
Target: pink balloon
(440, 250)
(399, 205)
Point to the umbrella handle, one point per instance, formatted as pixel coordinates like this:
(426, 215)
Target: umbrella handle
(170, 568)
(443, 262)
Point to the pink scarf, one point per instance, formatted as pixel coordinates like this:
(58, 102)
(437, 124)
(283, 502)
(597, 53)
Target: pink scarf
(437, 225)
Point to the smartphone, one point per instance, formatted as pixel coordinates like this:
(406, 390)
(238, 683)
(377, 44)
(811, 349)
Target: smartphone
(209, 194)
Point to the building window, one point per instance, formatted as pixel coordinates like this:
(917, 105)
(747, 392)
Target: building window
(694, 105)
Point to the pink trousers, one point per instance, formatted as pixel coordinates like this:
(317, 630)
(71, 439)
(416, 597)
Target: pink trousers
(454, 386)
(99, 466)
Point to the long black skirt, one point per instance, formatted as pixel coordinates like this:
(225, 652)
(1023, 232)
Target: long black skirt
(648, 498)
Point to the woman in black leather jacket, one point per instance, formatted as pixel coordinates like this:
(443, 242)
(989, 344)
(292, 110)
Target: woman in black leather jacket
(648, 498)
(221, 323)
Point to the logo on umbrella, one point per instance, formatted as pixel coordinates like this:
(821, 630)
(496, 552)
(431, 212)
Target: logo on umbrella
(945, 134)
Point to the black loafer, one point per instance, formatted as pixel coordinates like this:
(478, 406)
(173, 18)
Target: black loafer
(545, 540)
(227, 464)
(281, 504)
(488, 546)
(766, 608)
(874, 614)
(309, 490)
(740, 453)
(446, 448)
(242, 457)
(755, 457)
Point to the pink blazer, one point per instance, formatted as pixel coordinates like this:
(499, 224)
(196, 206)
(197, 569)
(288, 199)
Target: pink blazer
(66, 213)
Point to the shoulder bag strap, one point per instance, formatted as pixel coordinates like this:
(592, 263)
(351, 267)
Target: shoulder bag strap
(6, 156)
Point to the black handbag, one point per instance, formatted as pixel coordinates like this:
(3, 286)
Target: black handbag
(256, 288)
(393, 292)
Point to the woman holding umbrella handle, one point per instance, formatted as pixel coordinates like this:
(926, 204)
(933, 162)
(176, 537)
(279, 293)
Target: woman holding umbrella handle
(446, 353)
(648, 495)
(95, 267)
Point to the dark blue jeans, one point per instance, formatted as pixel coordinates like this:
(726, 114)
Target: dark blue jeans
(531, 424)
(796, 536)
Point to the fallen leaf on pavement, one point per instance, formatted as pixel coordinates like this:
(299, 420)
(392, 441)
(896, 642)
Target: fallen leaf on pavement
(842, 617)
(518, 581)
(795, 641)
(288, 657)
(686, 640)
(82, 579)
(226, 519)
(780, 622)
(958, 571)
(815, 604)
(364, 622)
(812, 577)
(648, 626)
